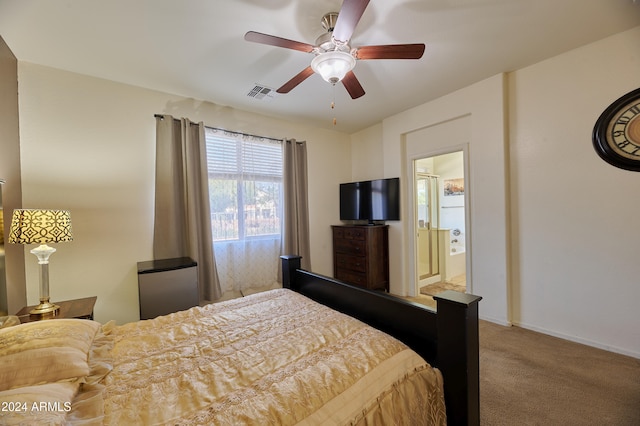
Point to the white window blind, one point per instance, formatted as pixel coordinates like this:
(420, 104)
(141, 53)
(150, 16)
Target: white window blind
(253, 159)
(245, 186)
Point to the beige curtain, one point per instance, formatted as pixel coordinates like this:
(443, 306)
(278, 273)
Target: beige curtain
(295, 233)
(182, 226)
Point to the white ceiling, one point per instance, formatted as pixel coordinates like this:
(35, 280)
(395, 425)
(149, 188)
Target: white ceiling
(196, 49)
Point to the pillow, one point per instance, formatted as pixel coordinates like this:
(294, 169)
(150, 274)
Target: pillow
(46, 404)
(45, 351)
(9, 321)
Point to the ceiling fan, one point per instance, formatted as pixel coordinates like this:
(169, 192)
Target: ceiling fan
(334, 57)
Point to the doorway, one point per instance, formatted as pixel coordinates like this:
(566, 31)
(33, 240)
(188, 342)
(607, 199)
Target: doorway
(440, 212)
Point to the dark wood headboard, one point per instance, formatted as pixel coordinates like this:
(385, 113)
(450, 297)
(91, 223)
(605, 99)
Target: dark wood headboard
(447, 338)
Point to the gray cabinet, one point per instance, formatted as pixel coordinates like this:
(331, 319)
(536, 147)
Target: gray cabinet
(166, 286)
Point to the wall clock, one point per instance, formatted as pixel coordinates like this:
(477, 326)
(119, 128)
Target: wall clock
(616, 135)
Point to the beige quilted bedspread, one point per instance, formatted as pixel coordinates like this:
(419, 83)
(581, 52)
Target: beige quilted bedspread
(273, 358)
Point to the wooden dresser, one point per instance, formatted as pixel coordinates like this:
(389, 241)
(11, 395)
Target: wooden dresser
(361, 255)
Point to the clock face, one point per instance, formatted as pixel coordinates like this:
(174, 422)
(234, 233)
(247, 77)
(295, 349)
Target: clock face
(616, 135)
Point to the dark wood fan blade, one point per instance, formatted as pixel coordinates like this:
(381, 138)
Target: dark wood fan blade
(391, 51)
(348, 17)
(299, 78)
(352, 85)
(277, 41)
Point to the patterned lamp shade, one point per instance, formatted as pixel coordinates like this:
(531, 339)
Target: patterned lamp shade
(34, 226)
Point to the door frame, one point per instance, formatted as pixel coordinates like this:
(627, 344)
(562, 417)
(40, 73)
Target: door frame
(412, 227)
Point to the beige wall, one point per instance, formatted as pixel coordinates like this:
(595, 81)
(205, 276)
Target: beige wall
(366, 154)
(14, 295)
(575, 249)
(88, 146)
(554, 242)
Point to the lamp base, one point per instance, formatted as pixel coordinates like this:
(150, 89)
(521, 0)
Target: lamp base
(45, 308)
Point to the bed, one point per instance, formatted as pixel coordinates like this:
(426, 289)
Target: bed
(277, 357)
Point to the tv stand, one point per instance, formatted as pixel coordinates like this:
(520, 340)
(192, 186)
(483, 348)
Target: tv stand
(361, 255)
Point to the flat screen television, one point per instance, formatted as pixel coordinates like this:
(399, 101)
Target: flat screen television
(371, 200)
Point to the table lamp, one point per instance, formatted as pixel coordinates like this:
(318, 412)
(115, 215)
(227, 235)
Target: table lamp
(35, 226)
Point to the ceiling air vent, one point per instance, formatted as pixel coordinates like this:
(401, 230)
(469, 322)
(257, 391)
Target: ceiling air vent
(261, 93)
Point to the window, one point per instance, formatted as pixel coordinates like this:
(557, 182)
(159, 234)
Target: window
(245, 187)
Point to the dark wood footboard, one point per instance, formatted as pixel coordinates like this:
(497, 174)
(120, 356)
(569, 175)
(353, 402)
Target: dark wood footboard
(446, 338)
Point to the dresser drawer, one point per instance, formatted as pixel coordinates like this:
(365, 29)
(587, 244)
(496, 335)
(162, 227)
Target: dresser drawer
(350, 262)
(351, 277)
(354, 233)
(356, 247)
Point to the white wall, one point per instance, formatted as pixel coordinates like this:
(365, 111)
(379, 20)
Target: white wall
(576, 240)
(554, 235)
(88, 145)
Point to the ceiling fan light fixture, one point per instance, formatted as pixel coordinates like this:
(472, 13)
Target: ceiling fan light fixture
(333, 66)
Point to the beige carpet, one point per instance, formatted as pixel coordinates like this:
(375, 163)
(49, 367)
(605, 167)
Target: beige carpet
(528, 378)
(433, 289)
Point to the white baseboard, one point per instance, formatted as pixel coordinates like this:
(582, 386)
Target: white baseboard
(579, 340)
(495, 320)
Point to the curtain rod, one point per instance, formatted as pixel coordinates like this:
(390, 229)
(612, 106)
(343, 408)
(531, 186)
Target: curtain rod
(229, 131)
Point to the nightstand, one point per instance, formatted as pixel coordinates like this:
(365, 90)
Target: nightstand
(77, 308)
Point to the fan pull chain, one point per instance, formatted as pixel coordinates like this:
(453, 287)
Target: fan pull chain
(333, 104)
